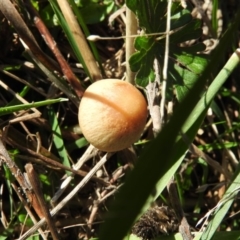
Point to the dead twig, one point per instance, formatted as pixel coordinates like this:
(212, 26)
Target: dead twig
(184, 227)
(35, 183)
(152, 92)
(28, 210)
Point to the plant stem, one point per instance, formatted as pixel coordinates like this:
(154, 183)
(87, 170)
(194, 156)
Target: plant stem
(131, 29)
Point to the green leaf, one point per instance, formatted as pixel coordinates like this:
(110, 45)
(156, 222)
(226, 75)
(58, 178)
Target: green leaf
(140, 58)
(35, 4)
(3, 237)
(148, 13)
(48, 16)
(212, 146)
(215, 17)
(45, 179)
(184, 81)
(96, 12)
(183, 28)
(190, 31)
(198, 47)
(194, 63)
(91, 11)
(23, 218)
(180, 18)
(146, 73)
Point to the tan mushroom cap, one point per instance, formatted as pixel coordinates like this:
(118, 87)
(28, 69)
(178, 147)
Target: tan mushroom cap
(112, 114)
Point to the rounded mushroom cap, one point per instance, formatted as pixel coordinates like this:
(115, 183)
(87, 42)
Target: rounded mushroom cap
(112, 114)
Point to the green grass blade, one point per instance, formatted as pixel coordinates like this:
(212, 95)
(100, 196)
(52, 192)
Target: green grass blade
(69, 35)
(15, 101)
(215, 86)
(215, 17)
(222, 207)
(11, 109)
(57, 138)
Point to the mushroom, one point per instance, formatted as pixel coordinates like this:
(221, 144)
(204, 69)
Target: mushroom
(112, 114)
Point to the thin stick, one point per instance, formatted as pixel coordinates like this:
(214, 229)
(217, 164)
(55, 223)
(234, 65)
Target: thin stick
(80, 40)
(34, 180)
(55, 210)
(25, 204)
(165, 65)
(152, 92)
(105, 194)
(184, 227)
(14, 136)
(131, 29)
(77, 166)
(94, 38)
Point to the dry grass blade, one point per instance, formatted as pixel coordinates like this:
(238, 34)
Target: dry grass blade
(35, 183)
(80, 39)
(29, 211)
